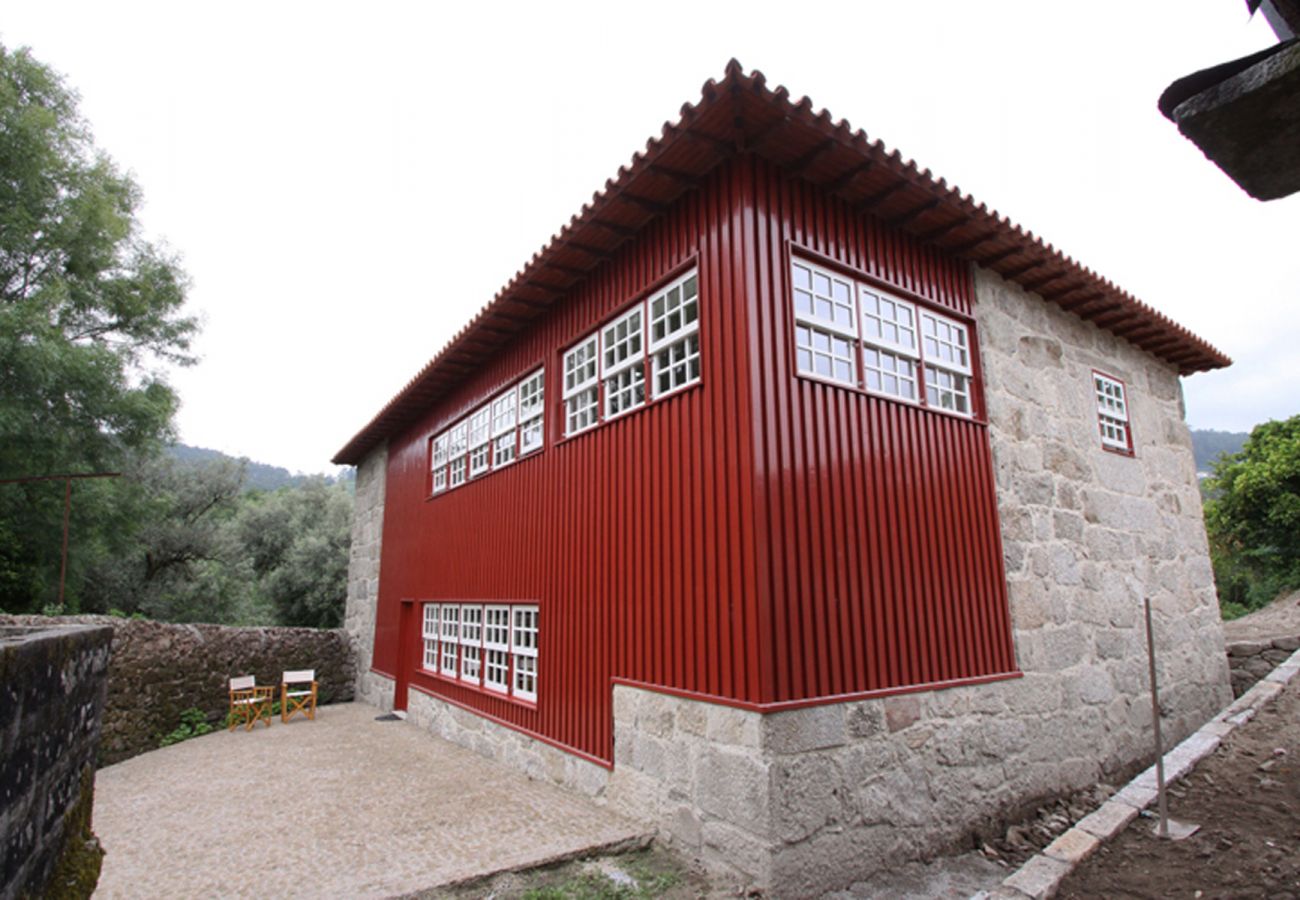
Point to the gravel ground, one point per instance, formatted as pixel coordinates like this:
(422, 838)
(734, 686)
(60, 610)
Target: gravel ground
(1281, 618)
(344, 806)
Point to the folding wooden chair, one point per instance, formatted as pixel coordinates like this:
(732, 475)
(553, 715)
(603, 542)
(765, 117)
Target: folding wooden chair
(249, 703)
(302, 697)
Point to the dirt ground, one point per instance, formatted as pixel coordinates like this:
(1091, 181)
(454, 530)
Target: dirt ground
(1245, 797)
(1281, 618)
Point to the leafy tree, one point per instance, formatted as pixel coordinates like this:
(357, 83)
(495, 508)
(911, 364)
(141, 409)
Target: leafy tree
(88, 311)
(297, 541)
(1253, 517)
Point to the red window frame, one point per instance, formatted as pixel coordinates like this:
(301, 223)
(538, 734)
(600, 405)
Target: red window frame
(1128, 448)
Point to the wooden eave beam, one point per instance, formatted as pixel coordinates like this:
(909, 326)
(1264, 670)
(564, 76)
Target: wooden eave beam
(677, 175)
(1072, 305)
(870, 203)
(720, 144)
(963, 248)
(645, 203)
(935, 233)
(753, 141)
(913, 215)
(1103, 304)
(1114, 318)
(571, 271)
(1037, 284)
(612, 227)
(590, 250)
(543, 286)
(801, 165)
(843, 181)
(1012, 274)
(989, 261)
(524, 301)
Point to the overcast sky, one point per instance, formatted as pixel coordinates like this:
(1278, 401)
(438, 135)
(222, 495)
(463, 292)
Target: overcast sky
(348, 183)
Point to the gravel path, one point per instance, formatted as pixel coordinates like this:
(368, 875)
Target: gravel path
(1281, 618)
(341, 807)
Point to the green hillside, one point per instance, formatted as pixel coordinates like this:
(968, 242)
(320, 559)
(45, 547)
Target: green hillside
(1208, 445)
(258, 476)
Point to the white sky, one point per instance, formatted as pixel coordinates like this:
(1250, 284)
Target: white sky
(348, 184)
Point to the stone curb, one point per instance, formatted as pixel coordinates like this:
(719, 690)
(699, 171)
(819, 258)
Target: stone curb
(1039, 878)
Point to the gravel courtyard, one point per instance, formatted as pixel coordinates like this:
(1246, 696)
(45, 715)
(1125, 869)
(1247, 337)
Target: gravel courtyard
(345, 806)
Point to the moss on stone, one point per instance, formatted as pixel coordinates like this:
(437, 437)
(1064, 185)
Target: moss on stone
(76, 870)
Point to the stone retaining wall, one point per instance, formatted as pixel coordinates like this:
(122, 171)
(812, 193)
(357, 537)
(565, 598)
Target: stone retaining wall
(159, 669)
(363, 576)
(1249, 661)
(53, 683)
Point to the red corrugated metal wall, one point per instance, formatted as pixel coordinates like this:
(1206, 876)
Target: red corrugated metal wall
(636, 538)
(884, 566)
(758, 537)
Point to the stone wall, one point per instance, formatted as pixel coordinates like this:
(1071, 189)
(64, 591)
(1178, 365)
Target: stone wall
(1250, 661)
(159, 669)
(53, 683)
(363, 577)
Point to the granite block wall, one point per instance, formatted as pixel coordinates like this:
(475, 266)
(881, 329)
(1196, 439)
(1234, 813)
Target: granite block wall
(363, 577)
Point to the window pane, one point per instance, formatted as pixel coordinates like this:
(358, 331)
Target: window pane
(828, 355)
(821, 297)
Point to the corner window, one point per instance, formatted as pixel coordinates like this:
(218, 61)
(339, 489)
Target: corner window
(907, 352)
(1112, 413)
(675, 335)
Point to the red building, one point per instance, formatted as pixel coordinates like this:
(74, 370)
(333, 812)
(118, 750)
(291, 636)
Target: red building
(730, 438)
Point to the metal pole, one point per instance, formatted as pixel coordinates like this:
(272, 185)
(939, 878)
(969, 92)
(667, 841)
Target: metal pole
(67, 511)
(1163, 828)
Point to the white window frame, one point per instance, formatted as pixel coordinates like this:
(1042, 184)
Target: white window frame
(429, 635)
(458, 454)
(1114, 424)
(505, 422)
(582, 385)
(927, 368)
(904, 353)
(675, 348)
(471, 643)
(524, 640)
(439, 463)
(810, 316)
(449, 632)
(480, 436)
(494, 649)
(814, 353)
(625, 376)
(959, 372)
(531, 412)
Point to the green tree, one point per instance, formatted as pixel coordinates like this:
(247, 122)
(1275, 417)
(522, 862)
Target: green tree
(297, 540)
(1253, 517)
(89, 310)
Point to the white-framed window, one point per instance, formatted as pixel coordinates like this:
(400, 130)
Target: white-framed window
(906, 351)
(581, 386)
(674, 317)
(429, 633)
(458, 447)
(823, 298)
(1112, 413)
(945, 347)
(480, 447)
(439, 462)
(622, 362)
(471, 640)
(523, 648)
(890, 351)
(532, 412)
(825, 354)
(496, 648)
(504, 428)
(450, 634)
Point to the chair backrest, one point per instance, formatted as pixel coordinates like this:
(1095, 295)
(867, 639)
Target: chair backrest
(298, 676)
(243, 682)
